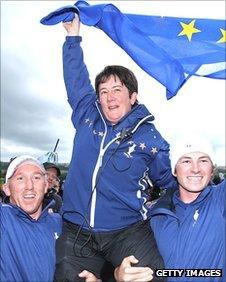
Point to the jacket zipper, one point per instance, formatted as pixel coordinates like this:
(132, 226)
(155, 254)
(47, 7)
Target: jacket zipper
(99, 165)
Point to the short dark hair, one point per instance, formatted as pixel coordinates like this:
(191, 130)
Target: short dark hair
(125, 75)
(52, 165)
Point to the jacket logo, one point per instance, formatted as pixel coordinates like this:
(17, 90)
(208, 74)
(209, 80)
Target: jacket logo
(130, 150)
(195, 217)
(56, 236)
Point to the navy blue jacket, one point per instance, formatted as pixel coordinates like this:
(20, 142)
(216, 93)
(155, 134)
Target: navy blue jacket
(27, 245)
(192, 236)
(106, 179)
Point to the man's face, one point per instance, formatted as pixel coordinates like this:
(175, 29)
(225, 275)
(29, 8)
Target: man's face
(115, 99)
(53, 180)
(194, 172)
(26, 189)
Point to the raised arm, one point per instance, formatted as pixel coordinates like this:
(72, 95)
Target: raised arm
(76, 76)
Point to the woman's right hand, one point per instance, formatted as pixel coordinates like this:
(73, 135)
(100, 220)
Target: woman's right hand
(72, 27)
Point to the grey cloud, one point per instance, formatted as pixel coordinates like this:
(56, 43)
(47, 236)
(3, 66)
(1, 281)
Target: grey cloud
(28, 119)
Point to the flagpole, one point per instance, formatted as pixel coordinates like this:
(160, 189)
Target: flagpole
(54, 150)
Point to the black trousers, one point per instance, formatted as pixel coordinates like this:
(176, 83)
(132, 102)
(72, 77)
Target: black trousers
(78, 249)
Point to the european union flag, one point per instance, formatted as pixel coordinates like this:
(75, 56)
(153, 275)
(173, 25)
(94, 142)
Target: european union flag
(169, 49)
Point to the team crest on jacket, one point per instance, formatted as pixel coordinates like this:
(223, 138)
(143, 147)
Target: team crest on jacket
(130, 150)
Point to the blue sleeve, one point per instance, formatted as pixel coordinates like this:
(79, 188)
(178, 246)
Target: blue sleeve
(1, 225)
(55, 222)
(76, 77)
(160, 171)
(220, 196)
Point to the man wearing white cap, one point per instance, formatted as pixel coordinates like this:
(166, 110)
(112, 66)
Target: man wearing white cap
(28, 233)
(189, 223)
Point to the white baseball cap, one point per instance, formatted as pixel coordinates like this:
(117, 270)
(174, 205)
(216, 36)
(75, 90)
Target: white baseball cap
(184, 146)
(18, 161)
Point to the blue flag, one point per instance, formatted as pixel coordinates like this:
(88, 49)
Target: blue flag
(169, 49)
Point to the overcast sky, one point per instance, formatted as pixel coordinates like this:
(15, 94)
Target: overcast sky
(34, 109)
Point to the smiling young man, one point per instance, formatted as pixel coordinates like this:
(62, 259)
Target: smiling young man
(189, 223)
(195, 222)
(115, 147)
(25, 185)
(28, 233)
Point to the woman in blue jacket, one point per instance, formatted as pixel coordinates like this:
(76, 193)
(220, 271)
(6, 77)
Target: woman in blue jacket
(115, 147)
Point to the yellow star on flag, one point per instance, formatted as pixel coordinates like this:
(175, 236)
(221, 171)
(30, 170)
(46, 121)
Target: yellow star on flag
(223, 38)
(188, 29)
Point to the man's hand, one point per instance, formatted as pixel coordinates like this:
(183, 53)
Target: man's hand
(126, 272)
(73, 27)
(89, 277)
